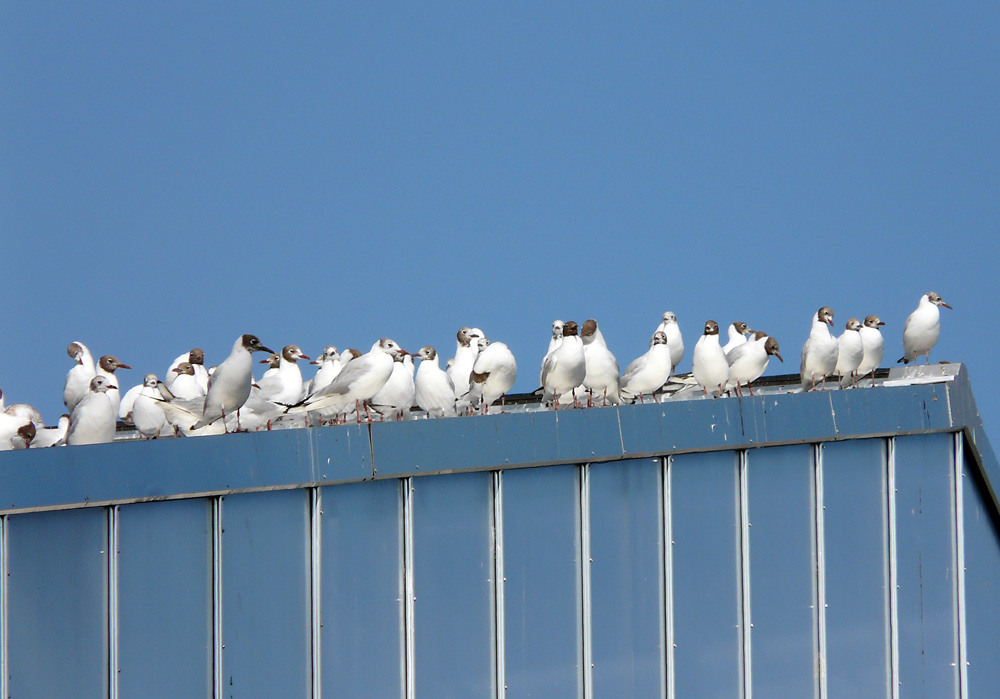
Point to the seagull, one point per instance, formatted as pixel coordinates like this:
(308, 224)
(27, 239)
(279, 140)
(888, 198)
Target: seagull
(465, 355)
(820, 352)
(648, 372)
(922, 328)
(602, 367)
(285, 384)
(23, 437)
(557, 336)
(434, 391)
(850, 352)
(147, 411)
(196, 357)
(738, 332)
(747, 362)
(22, 410)
(51, 436)
(14, 431)
(330, 364)
(78, 379)
(708, 364)
(871, 339)
(229, 386)
(672, 330)
(395, 398)
(185, 385)
(272, 360)
(361, 379)
(93, 419)
(566, 368)
(493, 374)
(106, 367)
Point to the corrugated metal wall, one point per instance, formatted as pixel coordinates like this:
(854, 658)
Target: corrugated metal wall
(857, 568)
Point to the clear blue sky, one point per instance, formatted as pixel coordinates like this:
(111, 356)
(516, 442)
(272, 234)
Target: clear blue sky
(173, 175)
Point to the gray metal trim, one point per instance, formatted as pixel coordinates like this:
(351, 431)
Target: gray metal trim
(667, 554)
(316, 565)
(587, 663)
(963, 659)
(113, 602)
(217, 641)
(745, 577)
(409, 595)
(4, 609)
(892, 564)
(498, 588)
(820, 578)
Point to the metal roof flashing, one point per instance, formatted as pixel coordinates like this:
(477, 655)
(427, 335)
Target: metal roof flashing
(907, 400)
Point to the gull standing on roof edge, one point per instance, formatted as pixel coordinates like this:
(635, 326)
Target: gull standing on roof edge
(648, 372)
(738, 332)
(602, 368)
(708, 361)
(922, 329)
(329, 366)
(229, 385)
(106, 367)
(820, 351)
(564, 369)
(185, 385)
(147, 411)
(433, 389)
(874, 345)
(93, 419)
(395, 398)
(460, 369)
(285, 384)
(196, 358)
(675, 342)
(493, 374)
(748, 362)
(78, 378)
(557, 336)
(850, 352)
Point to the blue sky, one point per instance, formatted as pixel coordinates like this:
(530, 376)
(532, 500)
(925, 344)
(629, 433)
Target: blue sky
(176, 175)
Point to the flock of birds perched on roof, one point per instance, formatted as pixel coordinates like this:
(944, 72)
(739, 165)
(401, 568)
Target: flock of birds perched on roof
(578, 370)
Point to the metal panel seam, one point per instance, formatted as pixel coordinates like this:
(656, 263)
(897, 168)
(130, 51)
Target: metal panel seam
(893, 631)
(113, 602)
(820, 544)
(217, 640)
(963, 674)
(585, 561)
(668, 578)
(498, 587)
(4, 607)
(745, 575)
(316, 507)
(409, 598)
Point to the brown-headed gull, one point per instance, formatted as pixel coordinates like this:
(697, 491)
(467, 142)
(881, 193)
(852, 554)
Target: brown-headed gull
(738, 333)
(93, 419)
(106, 367)
(433, 389)
(820, 351)
(708, 361)
(229, 385)
(564, 369)
(922, 329)
(647, 373)
(78, 378)
(493, 374)
(601, 380)
(850, 352)
(874, 344)
(748, 361)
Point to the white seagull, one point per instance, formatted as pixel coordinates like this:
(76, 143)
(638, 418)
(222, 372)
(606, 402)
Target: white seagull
(874, 344)
(196, 357)
(229, 385)
(147, 410)
(285, 384)
(433, 389)
(185, 385)
(675, 342)
(78, 378)
(93, 419)
(460, 370)
(51, 436)
(748, 361)
(647, 373)
(820, 351)
(395, 398)
(557, 336)
(708, 362)
(564, 369)
(493, 374)
(106, 367)
(738, 332)
(602, 378)
(922, 328)
(850, 352)
(330, 364)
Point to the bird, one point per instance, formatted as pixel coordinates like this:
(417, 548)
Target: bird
(51, 436)
(395, 398)
(93, 418)
(195, 357)
(850, 352)
(648, 372)
(229, 386)
(557, 335)
(434, 391)
(357, 382)
(922, 329)
(675, 342)
(185, 385)
(106, 367)
(330, 364)
(820, 351)
(738, 332)
(564, 369)
(16, 431)
(460, 370)
(747, 362)
(708, 362)
(21, 410)
(23, 437)
(147, 411)
(602, 368)
(874, 345)
(78, 378)
(285, 384)
(493, 374)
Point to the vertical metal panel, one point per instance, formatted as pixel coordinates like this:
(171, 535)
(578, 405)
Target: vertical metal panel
(782, 571)
(855, 519)
(499, 662)
(453, 584)
(542, 592)
(265, 594)
(58, 621)
(165, 598)
(626, 544)
(982, 586)
(925, 529)
(361, 595)
(707, 604)
(587, 647)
